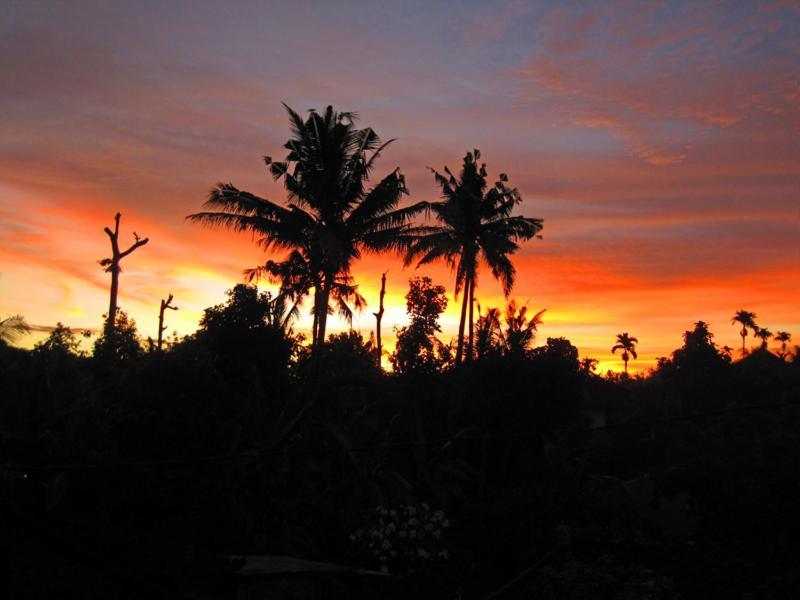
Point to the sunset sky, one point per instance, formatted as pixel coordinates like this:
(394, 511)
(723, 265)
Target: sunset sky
(659, 141)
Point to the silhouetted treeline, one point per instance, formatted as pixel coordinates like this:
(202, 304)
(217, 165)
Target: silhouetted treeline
(132, 474)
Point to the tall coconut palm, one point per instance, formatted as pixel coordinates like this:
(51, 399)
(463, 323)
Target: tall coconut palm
(747, 320)
(474, 222)
(331, 215)
(784, 337)
(627, 344)
(764, 335)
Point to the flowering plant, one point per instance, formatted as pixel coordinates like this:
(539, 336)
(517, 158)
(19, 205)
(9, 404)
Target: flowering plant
(405, 539)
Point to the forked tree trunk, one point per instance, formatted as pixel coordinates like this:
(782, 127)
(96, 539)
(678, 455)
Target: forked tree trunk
(165, 304)
(112, 266)
(378, 317)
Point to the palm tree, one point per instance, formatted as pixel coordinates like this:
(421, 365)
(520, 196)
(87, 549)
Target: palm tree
(520, 329)
(588, 365)
(763, 334)
(12, 328)
(473, 221)
(488, 332)
(747, 320)
(627, 344)
(783, 337)
(330, 217)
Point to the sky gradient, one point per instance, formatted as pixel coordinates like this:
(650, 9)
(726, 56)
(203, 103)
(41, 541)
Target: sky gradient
(660, 142)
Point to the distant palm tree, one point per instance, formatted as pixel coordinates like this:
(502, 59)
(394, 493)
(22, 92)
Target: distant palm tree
(474, 222)
(588, 365)
(331, 216)
(627, 344)
(783, 337)
(12, 328)
(297, 278)
(520, 329)
(764, 335)
(747, 320)
(487, 332)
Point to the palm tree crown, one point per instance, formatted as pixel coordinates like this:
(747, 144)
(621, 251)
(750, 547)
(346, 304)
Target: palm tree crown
(783, 337)
(764, 335)
(330, 217)
(747, 320)
(627, 344)
(520, 330)
(474, 222)
(12, 328)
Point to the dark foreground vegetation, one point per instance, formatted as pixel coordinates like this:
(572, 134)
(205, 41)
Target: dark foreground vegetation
(222, 464)
(139, 474)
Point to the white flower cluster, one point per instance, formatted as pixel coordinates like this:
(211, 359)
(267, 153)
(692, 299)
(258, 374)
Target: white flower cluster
(404, 538)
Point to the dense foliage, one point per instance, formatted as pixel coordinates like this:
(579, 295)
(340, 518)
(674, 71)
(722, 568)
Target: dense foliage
(131, 473)
(491, 467)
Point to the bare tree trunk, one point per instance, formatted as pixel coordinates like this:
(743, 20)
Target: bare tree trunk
(471, 320)
(112, 266)
(744, 335)
(462, 322)
(165, 304)
(378, 317)
(111, 319)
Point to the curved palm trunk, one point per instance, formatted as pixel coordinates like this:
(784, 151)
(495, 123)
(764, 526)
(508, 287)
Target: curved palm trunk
(322, 319)
(471, 320)
(462, 322)
(744, 335)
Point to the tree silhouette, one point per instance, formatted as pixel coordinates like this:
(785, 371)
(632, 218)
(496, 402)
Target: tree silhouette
(248, 332)
(112, 266)
(417, 348)
(747, 320)
(764, 335)
(699, 356)
(784, 337)
(118, 343)
(474, 221)
(627, 344)
(331, 217)
(61, 340)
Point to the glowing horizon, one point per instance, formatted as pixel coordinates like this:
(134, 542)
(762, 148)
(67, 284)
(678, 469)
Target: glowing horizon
(659, 143)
